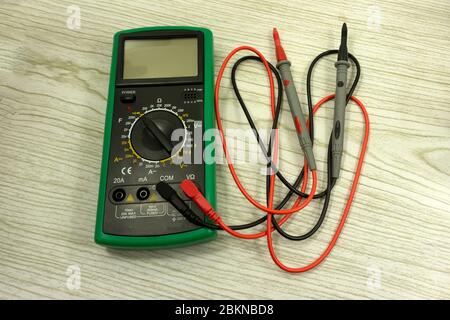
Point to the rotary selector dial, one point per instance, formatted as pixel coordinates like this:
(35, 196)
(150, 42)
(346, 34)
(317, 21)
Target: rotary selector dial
(157, 135)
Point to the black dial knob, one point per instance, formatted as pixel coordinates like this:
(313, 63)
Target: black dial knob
(157, 135)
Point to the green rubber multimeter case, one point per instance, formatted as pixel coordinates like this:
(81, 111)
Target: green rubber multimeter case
(160, 76)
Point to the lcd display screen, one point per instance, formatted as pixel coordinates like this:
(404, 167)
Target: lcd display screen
(160, 58)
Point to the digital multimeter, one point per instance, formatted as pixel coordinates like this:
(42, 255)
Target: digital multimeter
(161, 83)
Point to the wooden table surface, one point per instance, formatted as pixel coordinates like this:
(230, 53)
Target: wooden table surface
(53, 88)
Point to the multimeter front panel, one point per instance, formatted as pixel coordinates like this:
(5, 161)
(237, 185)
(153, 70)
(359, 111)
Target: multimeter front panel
(130, 208)
(159, 83)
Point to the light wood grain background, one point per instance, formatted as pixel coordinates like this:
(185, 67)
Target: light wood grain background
(53, 87)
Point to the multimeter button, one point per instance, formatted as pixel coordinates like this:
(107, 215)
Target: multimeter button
(128, 98)
(118, 195)
(143, 193)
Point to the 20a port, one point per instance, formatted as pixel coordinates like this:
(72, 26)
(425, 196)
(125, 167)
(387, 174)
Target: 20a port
(119, 195)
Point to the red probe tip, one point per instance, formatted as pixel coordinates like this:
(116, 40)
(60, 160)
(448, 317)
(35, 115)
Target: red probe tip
(276, 36)
(281, 55)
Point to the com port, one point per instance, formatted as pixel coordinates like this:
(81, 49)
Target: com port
(143, 193)
(118, 195)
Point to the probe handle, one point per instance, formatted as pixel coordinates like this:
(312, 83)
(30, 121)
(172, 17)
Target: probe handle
(284, 66)
(339, 115)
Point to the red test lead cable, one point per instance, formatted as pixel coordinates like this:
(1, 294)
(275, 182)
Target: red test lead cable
(224, 144)
(193, 193)
(348, 204)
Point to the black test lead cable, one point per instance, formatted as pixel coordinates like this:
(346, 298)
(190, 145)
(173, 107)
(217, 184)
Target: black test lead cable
(330, 180)
(293, 188)
(170, 195)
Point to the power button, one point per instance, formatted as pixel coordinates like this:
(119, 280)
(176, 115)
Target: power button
(128, 97)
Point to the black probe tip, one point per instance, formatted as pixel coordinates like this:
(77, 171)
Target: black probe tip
(343, 52)
(344, 32)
